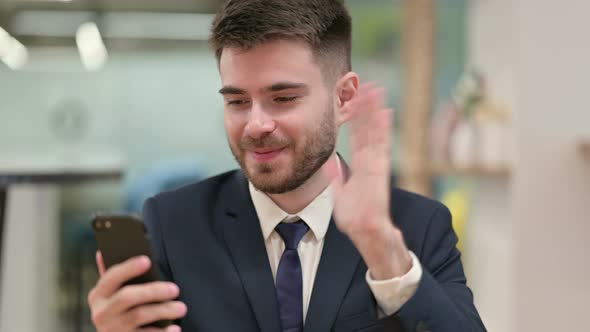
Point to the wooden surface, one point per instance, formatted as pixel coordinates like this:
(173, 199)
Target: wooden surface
(418, 62)
(475, 171)
(585, 148)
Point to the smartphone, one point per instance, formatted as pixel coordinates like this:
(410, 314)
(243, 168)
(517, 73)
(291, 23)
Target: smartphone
(121, 237)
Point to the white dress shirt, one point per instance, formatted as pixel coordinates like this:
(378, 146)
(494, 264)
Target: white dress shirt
(390, 294)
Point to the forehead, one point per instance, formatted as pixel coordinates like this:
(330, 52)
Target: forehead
(268, 63)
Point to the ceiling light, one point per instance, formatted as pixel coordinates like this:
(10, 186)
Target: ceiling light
(93, 53)
(12, 52)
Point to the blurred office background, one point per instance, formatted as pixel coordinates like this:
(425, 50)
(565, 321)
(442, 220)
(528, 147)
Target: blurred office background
(106, 102)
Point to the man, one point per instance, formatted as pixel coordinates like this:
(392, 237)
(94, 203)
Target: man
(296, 240)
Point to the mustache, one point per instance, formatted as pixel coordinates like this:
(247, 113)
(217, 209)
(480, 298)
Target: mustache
(267, 142)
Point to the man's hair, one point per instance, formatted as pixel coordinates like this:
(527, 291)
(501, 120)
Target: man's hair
(325, 25)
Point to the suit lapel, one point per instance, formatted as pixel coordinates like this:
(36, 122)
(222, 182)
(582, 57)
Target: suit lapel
(244, 239)
(335, 272)
(242, 233)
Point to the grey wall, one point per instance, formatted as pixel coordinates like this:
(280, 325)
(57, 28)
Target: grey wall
(551, 189)
(536, 55)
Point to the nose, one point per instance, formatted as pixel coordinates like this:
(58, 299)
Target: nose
(259, 123)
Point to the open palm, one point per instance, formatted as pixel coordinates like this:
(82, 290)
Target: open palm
(362, 201)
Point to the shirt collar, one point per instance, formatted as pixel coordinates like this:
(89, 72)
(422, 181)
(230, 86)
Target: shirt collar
(316, 215)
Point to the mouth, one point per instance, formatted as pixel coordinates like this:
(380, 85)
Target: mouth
(265, 155)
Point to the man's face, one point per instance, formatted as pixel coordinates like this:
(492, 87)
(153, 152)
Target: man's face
(279, 114)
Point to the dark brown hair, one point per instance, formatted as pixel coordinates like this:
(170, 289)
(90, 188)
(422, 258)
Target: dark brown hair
(324, 24)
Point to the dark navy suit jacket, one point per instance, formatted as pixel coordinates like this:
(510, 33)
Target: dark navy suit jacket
(207, 239)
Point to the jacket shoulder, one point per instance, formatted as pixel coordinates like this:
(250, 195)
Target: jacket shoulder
(202, 191)
(408, 202)
(416, 215)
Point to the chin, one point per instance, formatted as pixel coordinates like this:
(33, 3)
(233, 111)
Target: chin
(266, 177)
(271, 181)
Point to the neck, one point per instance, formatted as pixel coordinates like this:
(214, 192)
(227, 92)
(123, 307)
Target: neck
(296, 200)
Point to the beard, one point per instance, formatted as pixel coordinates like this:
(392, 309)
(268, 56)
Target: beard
(313, 150)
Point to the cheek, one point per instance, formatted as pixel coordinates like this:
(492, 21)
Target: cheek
(291, 126)
(234, 126)
(304, 123)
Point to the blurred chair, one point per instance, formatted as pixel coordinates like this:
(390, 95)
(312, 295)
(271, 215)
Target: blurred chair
(165, 175)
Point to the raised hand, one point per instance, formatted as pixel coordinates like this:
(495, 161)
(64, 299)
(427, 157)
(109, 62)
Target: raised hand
(362, 201)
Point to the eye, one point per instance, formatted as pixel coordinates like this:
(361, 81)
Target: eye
(237, 102)
(285, 99)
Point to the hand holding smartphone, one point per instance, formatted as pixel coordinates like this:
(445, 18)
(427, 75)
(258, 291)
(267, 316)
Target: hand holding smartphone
(120, 238)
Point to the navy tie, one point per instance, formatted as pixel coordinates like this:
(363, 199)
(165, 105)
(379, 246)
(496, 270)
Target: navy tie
(289, 277)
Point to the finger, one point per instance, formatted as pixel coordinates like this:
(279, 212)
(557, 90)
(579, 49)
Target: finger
(385, 130)
(118, 274)
(100, 263)
(360, 101)
(382, 144)
(370, 100)
(171, 328)
(332, 168)
(365, 127)
(150, 313)
(358, 118)
(336, 175)
(134, 295)
(381, 132)
(361, 94)
(374, 126)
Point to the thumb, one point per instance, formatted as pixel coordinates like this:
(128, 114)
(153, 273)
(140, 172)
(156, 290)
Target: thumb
(334, 171)
(100, 263)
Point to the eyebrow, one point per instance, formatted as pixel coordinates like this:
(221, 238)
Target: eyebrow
(232, 90)
(285, 86)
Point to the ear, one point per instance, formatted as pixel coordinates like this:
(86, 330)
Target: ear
(346, 88)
